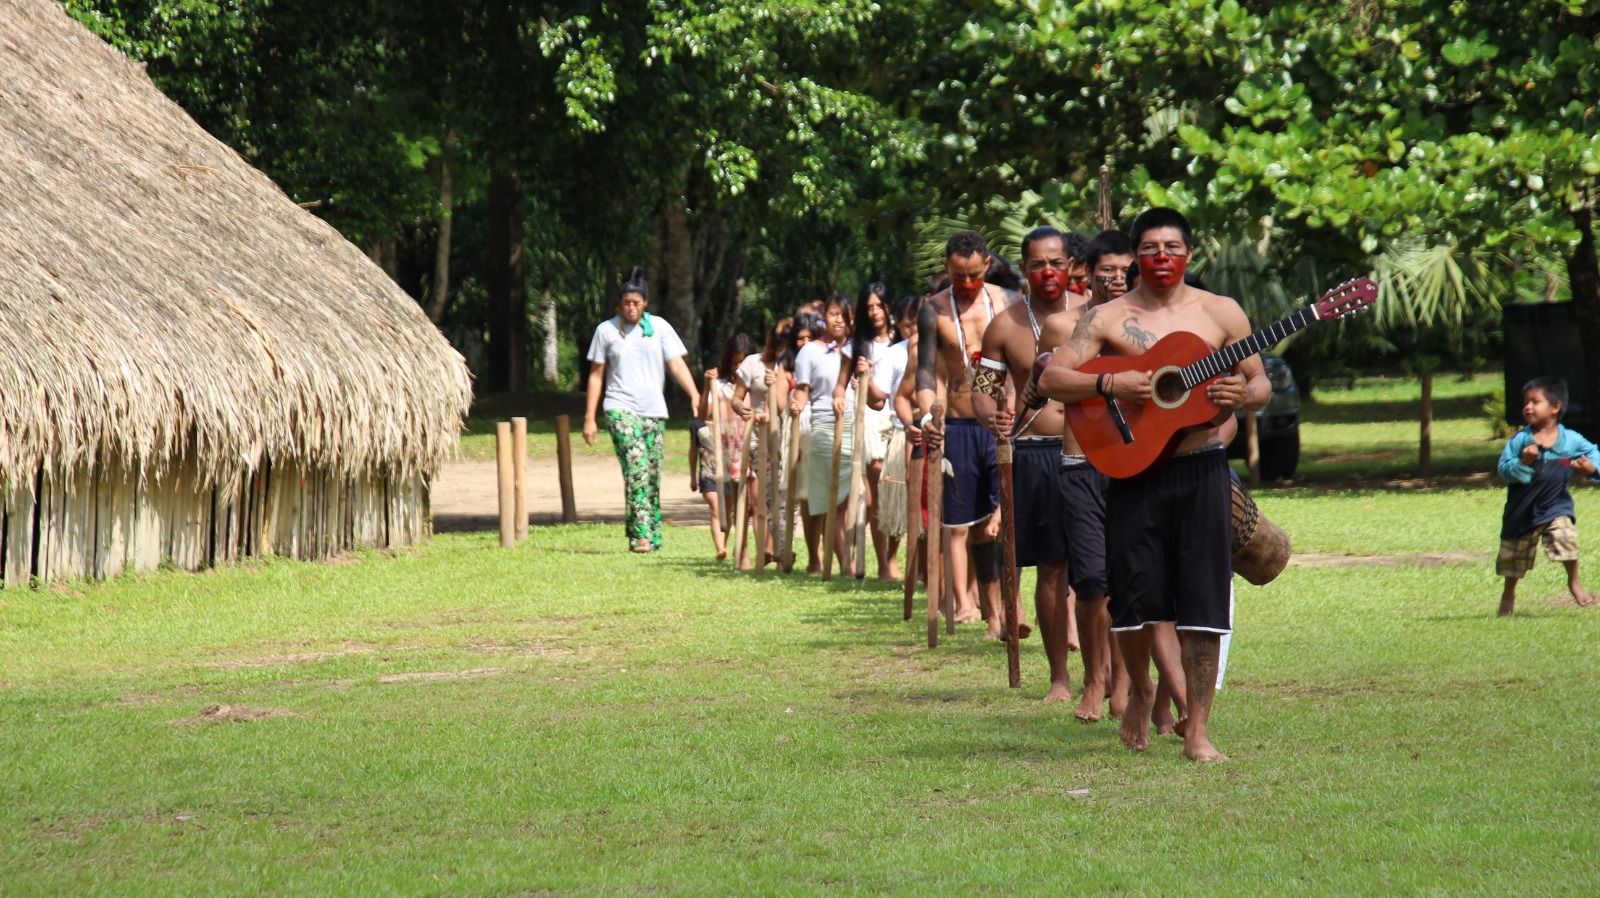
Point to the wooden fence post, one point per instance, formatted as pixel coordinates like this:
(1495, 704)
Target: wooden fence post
(502, 442)
(519, 475)
(569, 506)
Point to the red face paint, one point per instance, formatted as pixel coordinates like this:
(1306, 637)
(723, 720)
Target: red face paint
(1048, 284)
(1162, 272)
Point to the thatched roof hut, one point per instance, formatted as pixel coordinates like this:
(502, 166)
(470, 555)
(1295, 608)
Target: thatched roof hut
(170, 320)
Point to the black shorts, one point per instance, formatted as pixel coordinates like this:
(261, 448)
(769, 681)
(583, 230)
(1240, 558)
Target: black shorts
(1083, 494)
(972, 493)
(1041, 504)
(1169, 544)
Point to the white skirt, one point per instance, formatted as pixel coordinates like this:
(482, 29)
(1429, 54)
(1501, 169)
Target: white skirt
(892, 486)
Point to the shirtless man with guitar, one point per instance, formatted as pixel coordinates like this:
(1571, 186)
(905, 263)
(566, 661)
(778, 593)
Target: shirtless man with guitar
(1167, 529)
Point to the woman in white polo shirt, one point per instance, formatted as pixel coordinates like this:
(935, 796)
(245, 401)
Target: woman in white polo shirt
(630, 356)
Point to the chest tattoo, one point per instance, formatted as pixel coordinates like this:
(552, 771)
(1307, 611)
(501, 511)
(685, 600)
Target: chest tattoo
(1131, 329)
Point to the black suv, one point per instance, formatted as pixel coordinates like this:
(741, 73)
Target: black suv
(1278, 424)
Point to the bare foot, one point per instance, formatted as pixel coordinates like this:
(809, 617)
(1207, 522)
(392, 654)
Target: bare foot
(1059, 692)
(1119, 697)
(991, 632)
(1581, 596)
(966, 617)
(1162, 718)
(1202, 750)
(1094, 695)
(891, 572)
(722, 554)
(814, 568)
(1135, 730)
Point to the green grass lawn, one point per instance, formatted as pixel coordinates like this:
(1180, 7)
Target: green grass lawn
(1370, 431)
(565, 718)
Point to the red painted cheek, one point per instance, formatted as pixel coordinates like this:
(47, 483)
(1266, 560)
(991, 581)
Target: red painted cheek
(1045, 283)
(1162, 272)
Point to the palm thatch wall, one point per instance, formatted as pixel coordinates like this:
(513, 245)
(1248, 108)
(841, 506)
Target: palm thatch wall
(191, 366)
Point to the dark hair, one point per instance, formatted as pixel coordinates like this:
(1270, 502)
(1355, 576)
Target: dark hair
(636, 283)
(1042, 232)
(805, 321)
(965, 243)
(1161, 217)
(1107, 243)
(846, 308)
(1002, 275)
(738, 344)
(777, 339)
(862, 334)
(1076, 245)
(907, 307)
(1554, 390)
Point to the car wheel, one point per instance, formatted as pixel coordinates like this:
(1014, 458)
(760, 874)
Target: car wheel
(1280, 456)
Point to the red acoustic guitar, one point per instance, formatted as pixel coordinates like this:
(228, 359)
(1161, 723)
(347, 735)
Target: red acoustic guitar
(1125, 439)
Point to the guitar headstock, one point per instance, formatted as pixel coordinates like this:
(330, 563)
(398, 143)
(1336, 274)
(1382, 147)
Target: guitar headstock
(1346, 299)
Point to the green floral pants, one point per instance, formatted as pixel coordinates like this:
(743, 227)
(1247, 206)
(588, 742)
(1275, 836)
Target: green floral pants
(638, 442)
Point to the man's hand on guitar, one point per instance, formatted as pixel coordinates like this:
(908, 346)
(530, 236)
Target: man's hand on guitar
(1227, 392)
(1133, 385)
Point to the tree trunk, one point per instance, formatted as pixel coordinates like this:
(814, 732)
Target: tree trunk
(507, 288)
(1425, 444)
(679, 305)
(386, 254)
(550, 357)
(439, 287)
(1583, 275)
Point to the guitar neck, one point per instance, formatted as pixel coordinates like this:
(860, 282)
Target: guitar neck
(1228, 356)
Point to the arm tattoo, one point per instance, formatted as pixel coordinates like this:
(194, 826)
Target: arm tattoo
(1083, 339)
(1132, 330)
(927, 346)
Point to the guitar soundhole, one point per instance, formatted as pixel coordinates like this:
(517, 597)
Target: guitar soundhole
(1169, 387)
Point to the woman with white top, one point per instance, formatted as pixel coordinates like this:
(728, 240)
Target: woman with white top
(758, 374)
(887, 372)
(870, 338)
(629, 357)
(816, 372)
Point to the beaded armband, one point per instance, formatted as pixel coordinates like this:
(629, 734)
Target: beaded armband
(989, 377)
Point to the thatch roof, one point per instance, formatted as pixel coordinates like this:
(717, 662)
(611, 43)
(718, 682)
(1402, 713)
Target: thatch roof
(158, 296)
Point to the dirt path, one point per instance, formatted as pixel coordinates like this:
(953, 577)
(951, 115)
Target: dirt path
(464, 495)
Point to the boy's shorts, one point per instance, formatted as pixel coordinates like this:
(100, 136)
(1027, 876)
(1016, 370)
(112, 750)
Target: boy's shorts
(1168, 542)
(1560, 544)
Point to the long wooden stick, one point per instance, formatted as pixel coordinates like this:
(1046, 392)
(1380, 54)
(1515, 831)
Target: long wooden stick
(741, 503)
(791, 493)
(714, 406)
(856, 549)
(763, 474)
(934, 465)
(1008, 565)
(913, 522)
(770, 434)
(832, 515)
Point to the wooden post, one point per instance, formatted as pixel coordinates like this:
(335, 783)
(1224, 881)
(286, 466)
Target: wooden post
(935, 550)
(1008, 565)
(832, 514)
(741, 521)
(519, 475)
(714, 411)
(767, 480)
(569, 507)
(856, 549)
(791, 493)
(502, 443)
(913, 523)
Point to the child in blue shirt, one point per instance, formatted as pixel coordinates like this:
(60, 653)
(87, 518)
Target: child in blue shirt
(1536, 464)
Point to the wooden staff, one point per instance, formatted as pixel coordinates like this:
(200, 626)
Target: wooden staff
(742, 502)
(832, 515)
(934, 465)
(763, 474)
(1008, 565)
(770, 432)
(791, 493)
(856, 548)
(913, 522)
(714, 407)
